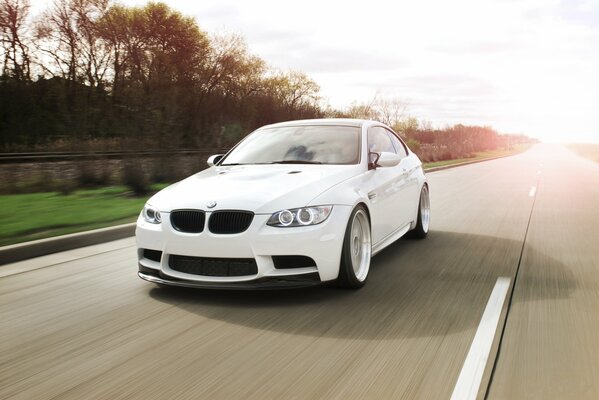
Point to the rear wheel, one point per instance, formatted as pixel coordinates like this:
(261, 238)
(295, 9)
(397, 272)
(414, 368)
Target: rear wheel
(424, 215)
(357, 250)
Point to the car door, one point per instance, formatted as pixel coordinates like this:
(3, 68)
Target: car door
(384, 187)
(410, 185)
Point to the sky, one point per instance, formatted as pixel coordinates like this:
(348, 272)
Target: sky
(520, 66)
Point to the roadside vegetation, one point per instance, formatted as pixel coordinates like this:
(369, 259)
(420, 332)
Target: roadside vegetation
(587, 150)
(481, 156)
(39, 215)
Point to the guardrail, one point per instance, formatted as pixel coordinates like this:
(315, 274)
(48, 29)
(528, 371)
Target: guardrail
(37, 157)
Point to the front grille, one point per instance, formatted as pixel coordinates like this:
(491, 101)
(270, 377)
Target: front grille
(289, 262)
(229, 222)
(213, 266)
(191, 221)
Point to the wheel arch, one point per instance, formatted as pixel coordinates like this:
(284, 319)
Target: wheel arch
(363, 204)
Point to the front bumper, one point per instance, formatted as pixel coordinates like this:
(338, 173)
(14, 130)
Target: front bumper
(266, 283)
(322, 243)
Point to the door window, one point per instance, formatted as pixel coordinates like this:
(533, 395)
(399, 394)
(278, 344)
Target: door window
(379, 140)
(400, 148)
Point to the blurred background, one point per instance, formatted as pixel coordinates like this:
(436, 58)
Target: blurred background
(102, 104)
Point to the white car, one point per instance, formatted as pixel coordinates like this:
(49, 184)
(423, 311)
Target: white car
(292, 204)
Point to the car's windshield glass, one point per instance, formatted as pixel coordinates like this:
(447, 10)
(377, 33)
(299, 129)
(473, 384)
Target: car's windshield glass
(323, 144)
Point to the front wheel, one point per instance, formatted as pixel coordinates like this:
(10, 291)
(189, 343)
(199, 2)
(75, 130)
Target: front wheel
(424, 215)
(357, 250)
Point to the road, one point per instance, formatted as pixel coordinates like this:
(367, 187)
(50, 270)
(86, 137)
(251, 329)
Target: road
(81, 325)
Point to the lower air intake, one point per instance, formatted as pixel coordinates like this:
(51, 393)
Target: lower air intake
(213, 266)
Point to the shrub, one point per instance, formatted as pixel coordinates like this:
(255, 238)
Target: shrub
(134, 177)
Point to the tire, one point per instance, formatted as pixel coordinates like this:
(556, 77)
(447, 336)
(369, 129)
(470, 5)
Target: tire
(424, 215)
(356, 252)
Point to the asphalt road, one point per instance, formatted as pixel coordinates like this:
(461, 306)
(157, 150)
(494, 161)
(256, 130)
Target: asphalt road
(81, 325)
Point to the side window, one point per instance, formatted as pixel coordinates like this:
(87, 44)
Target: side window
(379, 140)
(400, 148)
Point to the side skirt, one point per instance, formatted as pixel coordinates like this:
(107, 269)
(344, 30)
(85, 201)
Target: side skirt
(392, 237)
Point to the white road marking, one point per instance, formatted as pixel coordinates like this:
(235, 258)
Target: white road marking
(468, 383)
(532, 192)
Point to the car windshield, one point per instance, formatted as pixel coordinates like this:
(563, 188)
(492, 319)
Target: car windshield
(325, 144)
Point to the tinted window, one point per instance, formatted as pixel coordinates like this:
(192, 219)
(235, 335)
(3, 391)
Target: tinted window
(379, 141)
(399, 146)
(301, 144)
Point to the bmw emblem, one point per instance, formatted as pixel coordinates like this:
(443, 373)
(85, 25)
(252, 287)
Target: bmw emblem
(212, 204)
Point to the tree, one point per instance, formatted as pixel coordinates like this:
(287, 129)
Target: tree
(407, 126)
(111, 27)
(293, 89)
(147, 75)
(388, 110)
(95, 53)
(58, 38)
(13, 16)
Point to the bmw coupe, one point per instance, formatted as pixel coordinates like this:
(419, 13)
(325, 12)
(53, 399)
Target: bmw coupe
(293, 204)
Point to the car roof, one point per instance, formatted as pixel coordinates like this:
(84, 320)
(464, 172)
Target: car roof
(323, 121)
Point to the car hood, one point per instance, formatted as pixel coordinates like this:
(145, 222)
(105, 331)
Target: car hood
(257, 188)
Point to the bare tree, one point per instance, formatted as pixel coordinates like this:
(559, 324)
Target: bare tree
(67, 34)
(13, 16)
(388, 110)
(95, 53)
(294, 89)
(391, 110)
(230, 69)
(364, 110)
(57, 38)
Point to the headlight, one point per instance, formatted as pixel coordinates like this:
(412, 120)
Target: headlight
(151, 214)
(304, 216)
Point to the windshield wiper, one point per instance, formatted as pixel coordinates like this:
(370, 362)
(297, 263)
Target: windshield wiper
(296, 162)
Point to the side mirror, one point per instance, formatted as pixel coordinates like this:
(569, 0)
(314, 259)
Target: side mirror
(373, 159)
(387, 159)
(212, 160)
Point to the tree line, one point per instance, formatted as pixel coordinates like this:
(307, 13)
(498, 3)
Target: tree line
(430, 143)
(93, 73)
(94, 69)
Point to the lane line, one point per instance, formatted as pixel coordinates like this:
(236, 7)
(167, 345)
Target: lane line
(511, 297)
(468, 384)
(533, 191)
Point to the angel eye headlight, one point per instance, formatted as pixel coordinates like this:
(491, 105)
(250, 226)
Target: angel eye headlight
(304, 216)
(285, 217)
(151, 214)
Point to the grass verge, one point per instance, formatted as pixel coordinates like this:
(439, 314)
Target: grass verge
(40, 215)
(480, 156)
(587, 150)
